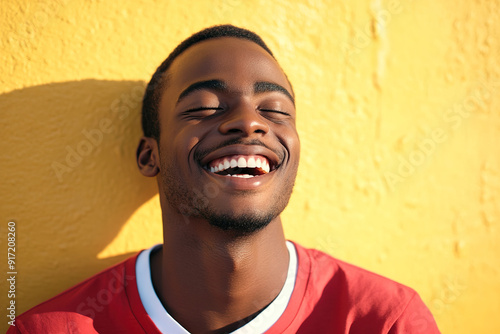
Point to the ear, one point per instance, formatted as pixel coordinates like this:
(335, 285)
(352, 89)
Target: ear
(147, 157)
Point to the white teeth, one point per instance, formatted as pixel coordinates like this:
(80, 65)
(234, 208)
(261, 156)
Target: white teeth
(234, 175)
(266, 167)
(242, 163)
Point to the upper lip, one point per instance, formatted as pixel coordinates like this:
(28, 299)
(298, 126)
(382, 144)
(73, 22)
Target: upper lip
(241, 149)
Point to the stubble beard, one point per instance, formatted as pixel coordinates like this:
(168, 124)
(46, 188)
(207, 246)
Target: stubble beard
(193, 204)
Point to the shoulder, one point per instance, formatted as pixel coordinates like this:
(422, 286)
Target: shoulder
(80, 305)
(359, 283)
(357, 297)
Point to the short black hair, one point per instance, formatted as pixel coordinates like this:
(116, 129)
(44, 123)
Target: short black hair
(152, 96)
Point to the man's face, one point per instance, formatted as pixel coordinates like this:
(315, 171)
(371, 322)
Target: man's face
(228, 147)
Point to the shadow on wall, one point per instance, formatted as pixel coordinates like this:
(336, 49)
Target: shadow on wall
(70, 180)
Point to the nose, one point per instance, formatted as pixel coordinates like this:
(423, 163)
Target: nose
(244, 119)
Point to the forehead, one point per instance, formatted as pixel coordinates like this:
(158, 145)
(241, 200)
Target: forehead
(238, 62)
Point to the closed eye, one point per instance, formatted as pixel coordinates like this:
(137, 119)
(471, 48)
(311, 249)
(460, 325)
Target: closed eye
(275, 111)
(201, 109)
(200, 112)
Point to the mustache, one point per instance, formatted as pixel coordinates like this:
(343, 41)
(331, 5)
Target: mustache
(201, 153)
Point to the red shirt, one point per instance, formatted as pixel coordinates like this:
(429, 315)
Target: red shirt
(330, 296)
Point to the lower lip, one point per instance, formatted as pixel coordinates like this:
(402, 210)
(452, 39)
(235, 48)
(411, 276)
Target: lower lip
(239, 183)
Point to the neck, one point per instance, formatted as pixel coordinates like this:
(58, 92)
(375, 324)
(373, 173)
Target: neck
(220, 277)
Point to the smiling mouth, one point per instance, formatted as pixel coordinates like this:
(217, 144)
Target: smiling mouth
(243, 166)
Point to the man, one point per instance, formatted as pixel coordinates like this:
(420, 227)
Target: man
(220, 137)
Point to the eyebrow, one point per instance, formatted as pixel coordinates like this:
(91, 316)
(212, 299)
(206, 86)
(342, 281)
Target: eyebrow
(221, 86)
(217, 85)
(264, 86)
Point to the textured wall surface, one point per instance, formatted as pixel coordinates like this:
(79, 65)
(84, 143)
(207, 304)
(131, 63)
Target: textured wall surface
(399, 117)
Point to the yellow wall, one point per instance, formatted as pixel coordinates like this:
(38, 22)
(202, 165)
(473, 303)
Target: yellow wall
(399, 117)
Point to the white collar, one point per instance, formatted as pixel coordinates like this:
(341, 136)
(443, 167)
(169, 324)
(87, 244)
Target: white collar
(167, 324)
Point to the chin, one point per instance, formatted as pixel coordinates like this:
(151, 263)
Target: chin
(244, 223)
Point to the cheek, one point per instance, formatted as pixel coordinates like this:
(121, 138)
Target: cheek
(290, 138)
(183, 144)
(294, 137)
(190, 143)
